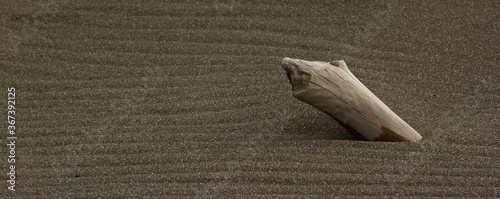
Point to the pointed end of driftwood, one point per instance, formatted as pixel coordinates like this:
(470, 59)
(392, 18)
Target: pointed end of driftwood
(391, 136)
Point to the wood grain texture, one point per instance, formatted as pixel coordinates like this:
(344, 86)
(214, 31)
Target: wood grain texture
(185, 99)
(332, 88)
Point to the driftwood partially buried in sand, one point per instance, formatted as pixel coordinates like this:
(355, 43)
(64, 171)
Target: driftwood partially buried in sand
(333, 89)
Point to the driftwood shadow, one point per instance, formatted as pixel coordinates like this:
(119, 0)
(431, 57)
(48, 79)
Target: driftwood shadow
(316, 126)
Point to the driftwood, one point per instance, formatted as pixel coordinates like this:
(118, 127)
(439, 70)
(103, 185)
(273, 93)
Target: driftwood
(333, 89)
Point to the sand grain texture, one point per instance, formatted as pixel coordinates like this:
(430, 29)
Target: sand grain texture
(188, 99)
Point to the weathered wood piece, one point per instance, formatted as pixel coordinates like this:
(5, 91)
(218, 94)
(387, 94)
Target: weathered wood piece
(333, 89)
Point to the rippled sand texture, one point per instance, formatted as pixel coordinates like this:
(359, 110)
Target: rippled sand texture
(188, 99)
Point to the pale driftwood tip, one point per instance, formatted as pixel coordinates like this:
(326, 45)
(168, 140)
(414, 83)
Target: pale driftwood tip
(333, 89)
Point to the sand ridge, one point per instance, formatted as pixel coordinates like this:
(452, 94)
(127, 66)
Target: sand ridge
(188, 99)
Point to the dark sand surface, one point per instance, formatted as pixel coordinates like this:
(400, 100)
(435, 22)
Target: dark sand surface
(188, 99)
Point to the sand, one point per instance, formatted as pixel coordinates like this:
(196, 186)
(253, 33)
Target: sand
(188, 99)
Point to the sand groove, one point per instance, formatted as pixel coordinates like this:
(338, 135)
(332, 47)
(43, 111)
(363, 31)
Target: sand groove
(188, 99)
